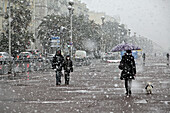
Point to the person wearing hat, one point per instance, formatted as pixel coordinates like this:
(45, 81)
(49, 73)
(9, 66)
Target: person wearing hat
(57, 64)
(68, 67)
(167, 58)
(143, 56)
(128, 67)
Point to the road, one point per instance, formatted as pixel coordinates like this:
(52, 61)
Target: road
(93, 89)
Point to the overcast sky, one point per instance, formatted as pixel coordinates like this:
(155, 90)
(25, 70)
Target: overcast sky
(149, 18)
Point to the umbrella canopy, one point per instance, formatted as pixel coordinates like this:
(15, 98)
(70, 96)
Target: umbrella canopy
(124, 47)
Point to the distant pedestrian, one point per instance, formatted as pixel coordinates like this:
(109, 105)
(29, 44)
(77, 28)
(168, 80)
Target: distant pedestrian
(68, 67)
(128, 67)
(143, 56)
(167, 58)
(57, 64)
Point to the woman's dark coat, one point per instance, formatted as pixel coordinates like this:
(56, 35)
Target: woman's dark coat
(128, 67)
(58, 61)
(68, 66)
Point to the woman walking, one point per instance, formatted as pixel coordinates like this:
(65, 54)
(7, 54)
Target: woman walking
(128, 67)
(68, 67)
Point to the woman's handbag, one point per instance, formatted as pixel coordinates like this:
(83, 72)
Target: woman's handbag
(71, 69)
(121, 66)
(123, 76)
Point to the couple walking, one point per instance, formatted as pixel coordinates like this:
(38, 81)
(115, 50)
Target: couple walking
(59, 63)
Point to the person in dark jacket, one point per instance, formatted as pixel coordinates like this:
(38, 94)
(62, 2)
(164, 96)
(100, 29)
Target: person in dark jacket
(57, 64)
(143, 56)
(128, 68)
(68, 67)
(167, 55)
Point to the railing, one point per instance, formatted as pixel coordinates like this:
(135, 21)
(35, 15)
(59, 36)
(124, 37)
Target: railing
(20, 66)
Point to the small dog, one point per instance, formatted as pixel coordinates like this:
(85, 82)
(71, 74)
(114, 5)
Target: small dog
(149, 88)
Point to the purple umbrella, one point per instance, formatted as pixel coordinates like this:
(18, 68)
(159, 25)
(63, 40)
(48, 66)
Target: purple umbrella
(124, 47)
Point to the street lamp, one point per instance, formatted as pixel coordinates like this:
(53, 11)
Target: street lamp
(71, 9)
(62, 31)
(134, 38)
(129, 32)
(122, 36)
(103, 17)
(134, 34)
(71, 2)
(102, 45)
(119, 33)
(10, 19)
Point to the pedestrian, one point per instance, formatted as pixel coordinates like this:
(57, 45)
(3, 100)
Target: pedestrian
(143, 56)
(167, 58)
(128, 67)
(57, 64)
(68, 67)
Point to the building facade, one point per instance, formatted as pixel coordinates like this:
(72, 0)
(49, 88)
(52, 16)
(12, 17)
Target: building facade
(80, 8)
(3, 7)
(96, 16)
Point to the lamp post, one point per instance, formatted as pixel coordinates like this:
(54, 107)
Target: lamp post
(9, 28)
(46, 45)
(102, 43)
(122, 36)
(119, 34)
(71, 9)
(129, 32)
(10, 19)
(62, 30)
(134, 39)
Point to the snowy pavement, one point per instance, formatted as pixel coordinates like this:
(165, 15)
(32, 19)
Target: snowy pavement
(93, 89)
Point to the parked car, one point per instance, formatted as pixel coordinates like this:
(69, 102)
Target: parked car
(36, 54)
(81, 58)
(111, 57)
(4, 56)
(25, 56)
(82, 62)
(80, 54)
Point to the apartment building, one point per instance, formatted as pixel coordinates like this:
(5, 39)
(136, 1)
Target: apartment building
(96, 16)
(3, 6)
(80, 8)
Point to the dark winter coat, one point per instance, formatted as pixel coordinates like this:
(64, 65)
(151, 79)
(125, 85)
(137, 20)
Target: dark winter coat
(128, 67)
(167, 56)
(143, 56)
(57, 62)
(68, 65)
